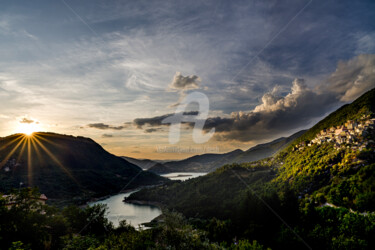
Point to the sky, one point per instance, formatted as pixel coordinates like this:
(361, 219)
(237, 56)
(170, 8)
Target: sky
(113, 70)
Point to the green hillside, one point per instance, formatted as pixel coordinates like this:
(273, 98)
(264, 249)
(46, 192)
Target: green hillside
(343, 175)
(320, 191)
(364, 105)
(201, 197)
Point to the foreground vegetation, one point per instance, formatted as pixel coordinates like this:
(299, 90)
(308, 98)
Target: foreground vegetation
(31, 225)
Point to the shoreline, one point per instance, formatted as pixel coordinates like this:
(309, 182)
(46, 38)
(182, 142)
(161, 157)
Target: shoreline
(121, 192)
(145, 203)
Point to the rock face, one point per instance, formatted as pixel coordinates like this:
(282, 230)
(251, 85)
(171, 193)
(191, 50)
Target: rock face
(66, 167)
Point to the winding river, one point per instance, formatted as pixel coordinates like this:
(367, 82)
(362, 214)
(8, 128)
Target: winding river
(133, 213)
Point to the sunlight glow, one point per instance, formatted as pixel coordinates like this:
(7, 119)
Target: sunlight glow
(27, 128)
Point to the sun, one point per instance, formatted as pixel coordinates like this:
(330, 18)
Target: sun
(27, 129)
(27, 126)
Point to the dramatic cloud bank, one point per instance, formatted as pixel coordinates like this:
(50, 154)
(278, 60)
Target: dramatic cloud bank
(277, 114)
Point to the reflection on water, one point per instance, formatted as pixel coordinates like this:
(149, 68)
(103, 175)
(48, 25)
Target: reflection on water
(183, 176)
(137, 214)
(133, 214)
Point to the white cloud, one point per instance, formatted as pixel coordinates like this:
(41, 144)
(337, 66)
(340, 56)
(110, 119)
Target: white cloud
(352, 78)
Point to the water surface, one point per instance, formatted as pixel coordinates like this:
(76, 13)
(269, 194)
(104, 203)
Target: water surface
(132, 213)
(183, 176)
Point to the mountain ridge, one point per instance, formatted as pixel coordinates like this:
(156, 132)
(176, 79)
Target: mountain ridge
(210, 162)
(66, 167)
(142, 163)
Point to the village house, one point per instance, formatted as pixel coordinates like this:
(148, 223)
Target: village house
(352, 132)
(11, 200)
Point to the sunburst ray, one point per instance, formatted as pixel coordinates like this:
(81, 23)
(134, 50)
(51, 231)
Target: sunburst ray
(22, 149)
(17, 137)
(56, 161)
(36, 135)
(10, 153)
(29, 163)
(36, 149)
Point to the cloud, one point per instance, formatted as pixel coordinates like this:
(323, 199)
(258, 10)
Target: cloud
(275, 115)
(181, 82)
(352, 78)
(150, 130)
(141, 47)
(157, 120)
(153, 121)
(107, 136)
(105, 126)
(279, 113)
(26, 120)
(135, 152)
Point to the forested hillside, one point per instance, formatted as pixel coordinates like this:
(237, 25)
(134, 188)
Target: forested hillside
(315, 194)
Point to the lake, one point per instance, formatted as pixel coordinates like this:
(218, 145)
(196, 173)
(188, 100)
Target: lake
(183, 176)
(133, 213)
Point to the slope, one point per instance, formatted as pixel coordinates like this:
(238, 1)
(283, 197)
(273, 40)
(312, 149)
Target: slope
(210, 162)
(142, 163)
(202, 163)
(66, 167)
(265, 150)
(324, 192)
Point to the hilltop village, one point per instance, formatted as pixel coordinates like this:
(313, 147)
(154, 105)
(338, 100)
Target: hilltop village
(352, 134)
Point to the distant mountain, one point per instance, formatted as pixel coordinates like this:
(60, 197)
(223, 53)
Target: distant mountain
(160, 168)
(265, 150)
(142, 163)
(210, 162)
(66, 167)
(202, 163)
